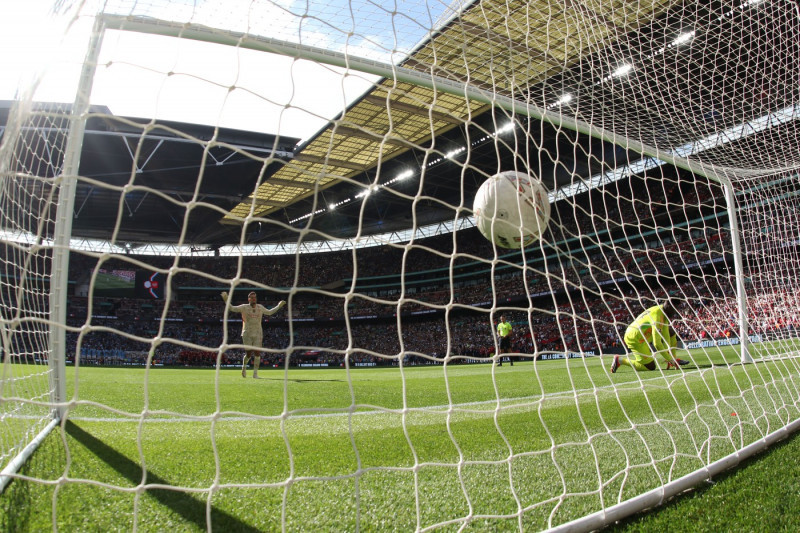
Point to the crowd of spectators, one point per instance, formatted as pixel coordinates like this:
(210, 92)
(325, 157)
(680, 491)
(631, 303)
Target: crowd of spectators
(572, 325)
(574, 291)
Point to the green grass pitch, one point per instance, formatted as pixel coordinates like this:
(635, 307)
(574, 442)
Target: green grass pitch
(498, 449)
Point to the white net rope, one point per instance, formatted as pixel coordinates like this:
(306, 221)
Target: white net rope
(654, 125)
(31, 158)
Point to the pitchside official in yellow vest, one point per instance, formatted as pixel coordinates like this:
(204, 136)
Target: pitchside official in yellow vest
(504, 332)
(649, 335)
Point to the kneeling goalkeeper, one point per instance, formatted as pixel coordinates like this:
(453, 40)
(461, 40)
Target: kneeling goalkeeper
(649, 335)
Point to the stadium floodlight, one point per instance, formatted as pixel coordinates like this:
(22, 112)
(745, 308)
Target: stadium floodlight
(622, 70)
(453, 153)
(369, 190)
(683, 38)
(509, 126)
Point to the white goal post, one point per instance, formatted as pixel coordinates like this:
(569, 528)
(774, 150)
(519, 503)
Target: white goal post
(672, 176)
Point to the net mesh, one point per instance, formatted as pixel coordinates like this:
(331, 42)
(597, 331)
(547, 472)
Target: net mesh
(32, 156)
(665, 133)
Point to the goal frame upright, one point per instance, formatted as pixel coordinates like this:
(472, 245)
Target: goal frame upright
(64, 214)
(66, 183)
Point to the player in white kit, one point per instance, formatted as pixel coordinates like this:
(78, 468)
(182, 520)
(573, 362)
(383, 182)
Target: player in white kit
(252, 334)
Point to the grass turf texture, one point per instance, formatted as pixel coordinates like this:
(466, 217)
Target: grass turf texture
(389, 449)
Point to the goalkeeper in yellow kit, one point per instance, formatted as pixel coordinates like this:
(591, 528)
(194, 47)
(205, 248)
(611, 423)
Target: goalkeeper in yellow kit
(649, 335)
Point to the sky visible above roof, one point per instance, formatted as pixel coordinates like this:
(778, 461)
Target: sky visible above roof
(157, 77)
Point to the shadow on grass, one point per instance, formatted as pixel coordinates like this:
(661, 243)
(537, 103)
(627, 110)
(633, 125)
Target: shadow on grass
(296, 380)
(15, 506)
(712, 365)
(181, 503)
(668, 516)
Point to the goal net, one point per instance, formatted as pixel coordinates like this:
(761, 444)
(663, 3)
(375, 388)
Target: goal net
(327, 155)
(32, 158)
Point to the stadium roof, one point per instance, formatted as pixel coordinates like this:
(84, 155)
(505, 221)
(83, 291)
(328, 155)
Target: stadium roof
(478, 48)
(408, 153)
(395, 118)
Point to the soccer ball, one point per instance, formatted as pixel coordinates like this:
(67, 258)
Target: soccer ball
(511, 209)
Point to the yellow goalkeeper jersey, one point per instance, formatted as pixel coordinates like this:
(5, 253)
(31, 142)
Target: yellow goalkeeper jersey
(652, 327)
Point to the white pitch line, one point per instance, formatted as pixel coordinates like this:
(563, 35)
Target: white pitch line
(504, 403)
